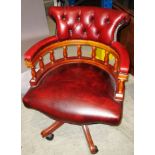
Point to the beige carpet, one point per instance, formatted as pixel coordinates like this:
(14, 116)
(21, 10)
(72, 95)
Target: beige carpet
(69, 139)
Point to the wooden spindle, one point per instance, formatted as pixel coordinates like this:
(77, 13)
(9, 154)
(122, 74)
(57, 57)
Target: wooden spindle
(106, 58)
(93, 52)
(65, 52)
(33, 73)
(41, 63)
(52, 56)
(116, 65)
(79, 51)
(121, 86)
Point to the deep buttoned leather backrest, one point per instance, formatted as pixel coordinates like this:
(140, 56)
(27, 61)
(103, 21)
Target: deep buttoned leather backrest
(90, 23)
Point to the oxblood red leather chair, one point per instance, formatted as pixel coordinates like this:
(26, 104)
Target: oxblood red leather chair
(79, 89)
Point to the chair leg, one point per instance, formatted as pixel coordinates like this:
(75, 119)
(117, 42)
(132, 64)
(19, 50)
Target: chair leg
(51, 128)
(93, 148)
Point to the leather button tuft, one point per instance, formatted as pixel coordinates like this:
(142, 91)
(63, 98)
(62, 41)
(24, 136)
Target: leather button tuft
(78, 18)
(63, 17)
(84, 31)
(70, 32)
(107, 20)
(92, 19)
(97, 32)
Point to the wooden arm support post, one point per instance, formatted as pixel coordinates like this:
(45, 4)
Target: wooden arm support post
(120, 87)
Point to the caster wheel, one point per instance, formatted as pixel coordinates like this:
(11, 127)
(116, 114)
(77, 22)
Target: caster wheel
(96, 149)
(50, 137)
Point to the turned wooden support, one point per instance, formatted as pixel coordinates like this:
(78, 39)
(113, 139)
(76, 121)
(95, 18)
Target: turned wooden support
(116, 65)
(52, 56)
(65, 52)
(121, 79)
(106, 58)
(33, 73)
(79, 51)
(120, 91)
(92, 147)
(121, 86)
(51, 128)
(93, 52)
(41, 63)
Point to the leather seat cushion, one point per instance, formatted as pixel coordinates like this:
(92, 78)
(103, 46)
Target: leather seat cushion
(76, 93)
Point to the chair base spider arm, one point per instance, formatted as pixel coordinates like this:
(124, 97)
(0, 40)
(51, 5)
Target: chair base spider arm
(49, 136)
(51, 128)
(93, 148)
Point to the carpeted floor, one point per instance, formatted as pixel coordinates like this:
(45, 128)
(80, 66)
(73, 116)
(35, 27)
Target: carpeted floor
(69, 139)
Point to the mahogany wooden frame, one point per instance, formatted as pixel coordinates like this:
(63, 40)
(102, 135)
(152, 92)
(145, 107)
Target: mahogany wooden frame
(103, 64)
(51, 128)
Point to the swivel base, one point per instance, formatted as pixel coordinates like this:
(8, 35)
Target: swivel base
(48, 134)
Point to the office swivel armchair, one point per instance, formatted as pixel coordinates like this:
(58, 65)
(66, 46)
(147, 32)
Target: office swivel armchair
(79, 89)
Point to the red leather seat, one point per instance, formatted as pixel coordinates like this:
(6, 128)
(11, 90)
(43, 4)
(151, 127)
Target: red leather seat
(76, 93)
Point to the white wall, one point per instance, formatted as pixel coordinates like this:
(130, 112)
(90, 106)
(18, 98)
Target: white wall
(33, 19)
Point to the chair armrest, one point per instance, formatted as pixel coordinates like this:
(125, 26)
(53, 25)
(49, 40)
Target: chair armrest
(124, 57)
(123, 70)
(31, 52)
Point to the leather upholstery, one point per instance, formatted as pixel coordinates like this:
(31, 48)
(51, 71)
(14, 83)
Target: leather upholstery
(30, 53)
(124, 56)
(78, 94)
(90, 23)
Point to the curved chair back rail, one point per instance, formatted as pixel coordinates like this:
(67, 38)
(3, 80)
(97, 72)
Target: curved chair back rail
(113, 70)
(103, 64)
